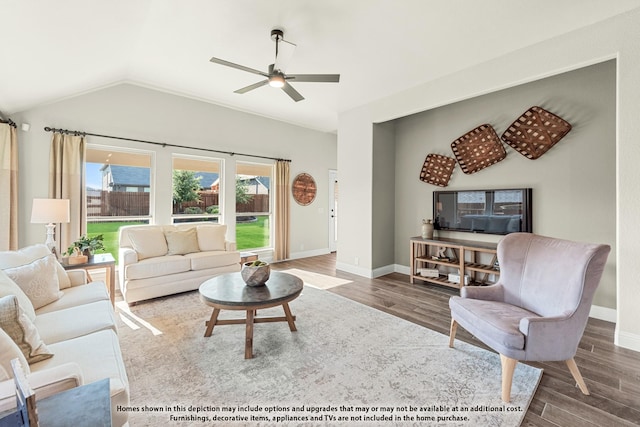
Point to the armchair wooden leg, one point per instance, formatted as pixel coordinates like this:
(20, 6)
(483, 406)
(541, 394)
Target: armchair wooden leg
(508, 367)
(452, 332)
(571, 363)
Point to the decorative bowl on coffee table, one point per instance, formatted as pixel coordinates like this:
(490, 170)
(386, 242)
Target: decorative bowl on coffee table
(255, 275)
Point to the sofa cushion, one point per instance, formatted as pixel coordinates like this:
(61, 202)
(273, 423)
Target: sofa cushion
(9, 287)
(22, 330)
(180, 242)
(148, 242)
(38, 280)
(213, 259)
(78, 295)
(501, 322)
(159, 266)
(211, 237)
(75, 322)
(26, 255)
(9, 350)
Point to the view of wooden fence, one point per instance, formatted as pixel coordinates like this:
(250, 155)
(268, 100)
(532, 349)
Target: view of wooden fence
(119, 203)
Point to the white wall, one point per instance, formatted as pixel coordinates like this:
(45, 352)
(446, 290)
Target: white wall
(613, 38)
(573, 183)
(136, 112)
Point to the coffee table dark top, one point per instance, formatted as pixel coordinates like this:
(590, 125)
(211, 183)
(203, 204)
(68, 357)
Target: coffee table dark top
(230, 290)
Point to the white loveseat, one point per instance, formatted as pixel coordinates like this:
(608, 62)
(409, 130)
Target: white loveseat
(75, 334)
(159, 260)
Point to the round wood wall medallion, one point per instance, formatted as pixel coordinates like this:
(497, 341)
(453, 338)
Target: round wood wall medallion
(304, 189)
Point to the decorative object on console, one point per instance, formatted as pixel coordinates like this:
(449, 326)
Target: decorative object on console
(478, 149)
(437, 170)
(50, 212)
(255, 273)
(535, 132)
(85, 246)
(429, 272)
(304, 189)
(427, 229)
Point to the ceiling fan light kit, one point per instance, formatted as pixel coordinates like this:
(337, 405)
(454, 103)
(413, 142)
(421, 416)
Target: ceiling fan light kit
(276, 76)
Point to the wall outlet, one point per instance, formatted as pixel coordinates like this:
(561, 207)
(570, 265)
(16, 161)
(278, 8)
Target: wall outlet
(356, 261)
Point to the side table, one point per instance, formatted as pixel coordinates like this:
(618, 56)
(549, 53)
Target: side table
(98, 261)
(248, 256)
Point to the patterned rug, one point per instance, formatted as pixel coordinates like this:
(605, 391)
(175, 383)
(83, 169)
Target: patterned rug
(348, 364)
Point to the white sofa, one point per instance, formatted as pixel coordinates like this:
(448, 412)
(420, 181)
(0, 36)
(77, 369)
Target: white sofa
(159, 260)
(78, 327)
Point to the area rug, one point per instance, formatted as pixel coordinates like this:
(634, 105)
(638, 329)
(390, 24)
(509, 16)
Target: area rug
(348, 364)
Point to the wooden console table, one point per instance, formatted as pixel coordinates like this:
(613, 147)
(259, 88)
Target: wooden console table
(461, 257)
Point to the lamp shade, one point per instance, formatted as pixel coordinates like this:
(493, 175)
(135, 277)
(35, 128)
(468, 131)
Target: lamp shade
(47, 211)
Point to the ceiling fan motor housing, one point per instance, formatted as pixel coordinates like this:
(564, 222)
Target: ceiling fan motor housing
(277, 34)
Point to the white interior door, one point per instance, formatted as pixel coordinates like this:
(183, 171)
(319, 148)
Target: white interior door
(333, 210)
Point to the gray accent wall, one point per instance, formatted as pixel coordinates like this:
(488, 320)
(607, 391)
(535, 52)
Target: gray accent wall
(574, 183)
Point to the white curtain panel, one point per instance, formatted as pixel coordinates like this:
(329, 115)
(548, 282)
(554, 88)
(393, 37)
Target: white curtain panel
(67, 181)
(8, 187)
(282, 208)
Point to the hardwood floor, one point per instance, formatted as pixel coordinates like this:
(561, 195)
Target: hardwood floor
(611, 373)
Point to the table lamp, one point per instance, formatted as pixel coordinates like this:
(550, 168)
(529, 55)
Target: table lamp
(50, 212)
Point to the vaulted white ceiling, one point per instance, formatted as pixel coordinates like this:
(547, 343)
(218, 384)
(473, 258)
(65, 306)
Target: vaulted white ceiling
(57, 49)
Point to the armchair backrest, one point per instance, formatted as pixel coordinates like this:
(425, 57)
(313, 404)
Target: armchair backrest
(548, 276)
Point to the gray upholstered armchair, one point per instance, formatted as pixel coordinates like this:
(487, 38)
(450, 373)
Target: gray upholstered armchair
(540, 306)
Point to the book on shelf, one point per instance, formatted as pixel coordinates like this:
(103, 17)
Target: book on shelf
(441, 258)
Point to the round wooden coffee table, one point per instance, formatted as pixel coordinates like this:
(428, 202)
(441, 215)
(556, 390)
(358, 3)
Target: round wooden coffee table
(229, 292)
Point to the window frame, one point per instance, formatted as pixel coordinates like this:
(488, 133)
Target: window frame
(214, 218)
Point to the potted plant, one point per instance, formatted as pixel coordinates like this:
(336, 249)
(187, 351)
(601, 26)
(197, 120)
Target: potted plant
(87, 245)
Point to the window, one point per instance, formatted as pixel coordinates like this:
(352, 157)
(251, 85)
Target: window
(118, 183)
(196, 189)
(253, 205)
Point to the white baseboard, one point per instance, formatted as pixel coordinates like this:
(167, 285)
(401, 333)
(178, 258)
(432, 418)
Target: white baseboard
(381, 271)
(370, 274)
(402, 269)
(603, 313)
(354, 269)
(307, 254)
(627, 340)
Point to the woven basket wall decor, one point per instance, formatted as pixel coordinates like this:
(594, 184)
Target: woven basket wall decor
(437, 169)
(478, 149)
(535, 132)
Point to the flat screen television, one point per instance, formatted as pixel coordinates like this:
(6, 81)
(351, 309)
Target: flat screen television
(500, 211)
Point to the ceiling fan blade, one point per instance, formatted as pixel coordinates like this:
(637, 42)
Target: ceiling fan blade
(251, 87)
(239, 67)
(321, 78)
(294, 94)
(284, 55)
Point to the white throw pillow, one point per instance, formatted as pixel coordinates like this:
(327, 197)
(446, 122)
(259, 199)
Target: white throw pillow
(181, 242)
(9, 350)
(26, 255)
(38, 280)
(9, 287)
(148, 242)
(22, 330)
(212, 237)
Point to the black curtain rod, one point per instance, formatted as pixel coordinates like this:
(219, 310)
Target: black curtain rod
(9, 122)
(162, 144)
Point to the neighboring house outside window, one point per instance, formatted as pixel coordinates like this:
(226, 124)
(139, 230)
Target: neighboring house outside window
(196, 195)
(119, 191)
